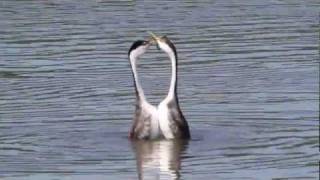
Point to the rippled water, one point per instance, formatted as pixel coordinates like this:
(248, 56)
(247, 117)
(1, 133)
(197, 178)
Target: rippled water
(248, 85)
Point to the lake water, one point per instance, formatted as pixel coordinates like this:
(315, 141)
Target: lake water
(248, 86)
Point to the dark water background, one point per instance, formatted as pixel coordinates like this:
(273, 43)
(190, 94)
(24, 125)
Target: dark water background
(248, 85)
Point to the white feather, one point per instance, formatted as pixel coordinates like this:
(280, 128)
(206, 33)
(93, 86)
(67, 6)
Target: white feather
(155, 129)
(164, 122)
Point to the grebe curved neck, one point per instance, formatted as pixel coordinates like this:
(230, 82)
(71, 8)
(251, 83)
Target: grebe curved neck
(138, 88)
(173, 83)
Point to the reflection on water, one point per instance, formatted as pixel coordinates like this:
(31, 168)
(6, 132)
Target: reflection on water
(161, 159)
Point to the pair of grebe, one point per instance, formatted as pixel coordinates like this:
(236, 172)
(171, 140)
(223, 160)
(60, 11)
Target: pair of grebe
(166, 120)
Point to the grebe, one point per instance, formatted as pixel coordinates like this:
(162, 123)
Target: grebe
(145, 122)
(166, 120)
(172, 123)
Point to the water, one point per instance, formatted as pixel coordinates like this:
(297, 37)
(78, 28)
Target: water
(248, 86)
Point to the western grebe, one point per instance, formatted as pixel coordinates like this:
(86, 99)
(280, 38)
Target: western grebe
(171, 120)
(145, 122)
(166, 120)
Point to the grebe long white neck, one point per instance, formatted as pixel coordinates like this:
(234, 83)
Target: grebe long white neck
(139, 91)
(173, 83)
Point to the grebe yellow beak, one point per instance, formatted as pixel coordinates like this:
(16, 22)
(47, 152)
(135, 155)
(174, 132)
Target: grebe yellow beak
(154, 39)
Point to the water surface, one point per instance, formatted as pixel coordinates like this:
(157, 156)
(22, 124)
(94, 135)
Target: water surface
(248, 86)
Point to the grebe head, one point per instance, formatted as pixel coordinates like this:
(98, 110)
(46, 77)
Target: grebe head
(138, 48)
(163, 43)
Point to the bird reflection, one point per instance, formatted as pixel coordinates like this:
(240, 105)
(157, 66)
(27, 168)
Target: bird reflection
(159, 159)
